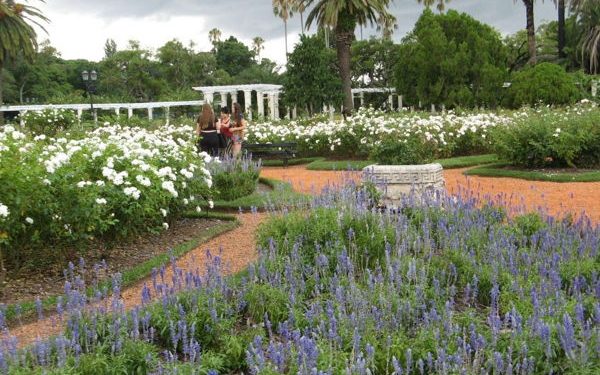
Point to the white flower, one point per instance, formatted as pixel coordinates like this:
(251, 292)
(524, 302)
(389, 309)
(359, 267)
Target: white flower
(100, 201)
(211, 204)
(170, 187)
(45, 181)
(132, 191)
(142, 180)
(163, 212)
(198, 209)
(165, 226)
(29, 220)
(4, 212)
(185, 201)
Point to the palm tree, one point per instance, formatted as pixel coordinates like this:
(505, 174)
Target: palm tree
(588, 21)
(441, 4)
(214, 36)
(283, 9)
(17, 36)
(386, 25)
(299, 7)
(258, 44)
(343, 16)
(530, 30)
(561, 27)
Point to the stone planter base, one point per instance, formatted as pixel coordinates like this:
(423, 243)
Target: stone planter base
(397, 181)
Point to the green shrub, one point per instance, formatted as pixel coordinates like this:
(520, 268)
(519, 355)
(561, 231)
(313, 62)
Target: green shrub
(414, 149)
(569, 138)
(234, 178)
(49, 121)
(545, 83)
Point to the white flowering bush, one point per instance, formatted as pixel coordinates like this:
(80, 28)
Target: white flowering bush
(48, 121)
(115, 182)
(545, 137)
(450, 133)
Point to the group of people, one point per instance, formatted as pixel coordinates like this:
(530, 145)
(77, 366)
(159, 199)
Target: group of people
(221, 137)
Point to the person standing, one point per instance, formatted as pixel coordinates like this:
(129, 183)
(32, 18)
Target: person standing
(238, 129)
(207, 131)
(224, 129)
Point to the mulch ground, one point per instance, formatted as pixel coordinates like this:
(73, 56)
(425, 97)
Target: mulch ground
(237, 247)
(29, 283)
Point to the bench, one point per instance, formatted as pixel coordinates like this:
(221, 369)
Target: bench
(283, 151)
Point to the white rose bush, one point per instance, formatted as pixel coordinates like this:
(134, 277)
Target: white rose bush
(112, 183)
(449, 133)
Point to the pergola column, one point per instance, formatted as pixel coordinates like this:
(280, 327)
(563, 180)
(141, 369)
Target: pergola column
(276, 105)
(209, 97)
(260, 103)
(117, 111)
(79, 114)
(391, 101)
(129, 112)
(167, 114)
(233, 99)
(362, 98)
(294, 113)
(223, 99)
(150, 114)
(248, 103)
(272, 105)
(400, 104)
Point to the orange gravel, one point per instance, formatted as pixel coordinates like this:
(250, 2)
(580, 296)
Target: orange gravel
(517, 195)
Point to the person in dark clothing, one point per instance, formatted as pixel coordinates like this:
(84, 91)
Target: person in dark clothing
(207, 130)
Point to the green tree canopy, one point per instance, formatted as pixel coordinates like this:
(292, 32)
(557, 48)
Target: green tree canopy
(233, 56)
(311, 79)
(451, 59)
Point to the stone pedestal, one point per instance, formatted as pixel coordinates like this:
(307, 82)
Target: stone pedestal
(399, 181)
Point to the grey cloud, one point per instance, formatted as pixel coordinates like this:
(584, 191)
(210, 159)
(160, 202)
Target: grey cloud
(249, 18)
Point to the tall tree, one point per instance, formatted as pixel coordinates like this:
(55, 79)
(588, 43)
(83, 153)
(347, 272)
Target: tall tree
(258, 44)
(299, 7)
(214, 36)
(343, 16)
(283, 9)
(441, 4)
(587, 13)
(561, 28)
(110, 47)
(530, 27)
(17, 36)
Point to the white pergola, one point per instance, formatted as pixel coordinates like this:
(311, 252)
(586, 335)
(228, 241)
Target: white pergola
(116, 107)
(272, 92)
(263, 91)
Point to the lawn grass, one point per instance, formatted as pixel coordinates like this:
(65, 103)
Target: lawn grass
(449, 163)
(279, 163)
(338, 165)
(26, 310)
(467, 161)
(498, 170)
(282, 195)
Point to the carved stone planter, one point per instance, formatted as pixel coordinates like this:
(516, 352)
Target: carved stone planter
(398, 181)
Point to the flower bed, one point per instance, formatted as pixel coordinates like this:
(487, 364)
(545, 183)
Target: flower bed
(116, 181)
(448, 134)
(436, 289)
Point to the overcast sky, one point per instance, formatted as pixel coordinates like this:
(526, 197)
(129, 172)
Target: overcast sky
(79, 28)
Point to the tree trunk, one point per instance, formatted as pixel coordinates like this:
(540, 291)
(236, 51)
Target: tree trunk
(1, 92)
(343, 43)
(286, 46)
(21, 89)
(302, 22)
(561, 29)
(530, 31)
